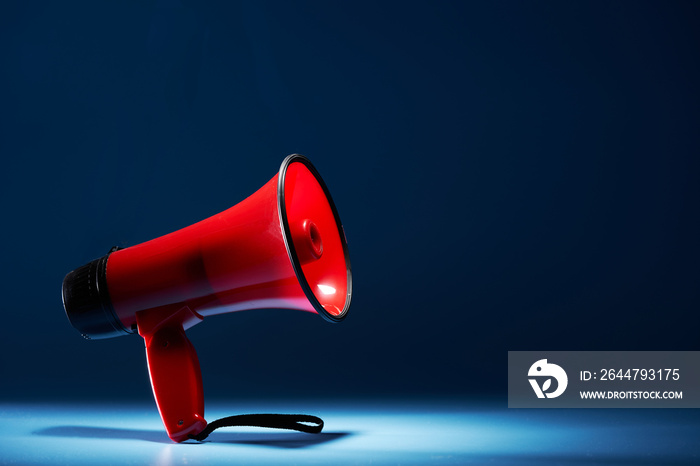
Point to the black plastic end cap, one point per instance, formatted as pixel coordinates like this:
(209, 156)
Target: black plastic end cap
(87, 303)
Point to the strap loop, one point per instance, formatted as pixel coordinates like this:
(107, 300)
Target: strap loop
(299, 422)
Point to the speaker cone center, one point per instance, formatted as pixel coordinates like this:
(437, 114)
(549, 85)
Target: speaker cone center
(307, 241)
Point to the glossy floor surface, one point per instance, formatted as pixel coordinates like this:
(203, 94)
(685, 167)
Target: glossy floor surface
(363, 432)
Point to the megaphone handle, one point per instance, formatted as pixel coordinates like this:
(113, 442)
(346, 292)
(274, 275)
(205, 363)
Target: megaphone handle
(176, 380)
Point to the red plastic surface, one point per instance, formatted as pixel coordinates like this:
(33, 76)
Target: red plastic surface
(316, 238)
(235, 260)
(174, 370)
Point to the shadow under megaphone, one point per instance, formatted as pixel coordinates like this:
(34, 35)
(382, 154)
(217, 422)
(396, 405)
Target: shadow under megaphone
(266, 439)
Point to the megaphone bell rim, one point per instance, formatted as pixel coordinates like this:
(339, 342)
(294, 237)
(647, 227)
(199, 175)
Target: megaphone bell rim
(289, 243)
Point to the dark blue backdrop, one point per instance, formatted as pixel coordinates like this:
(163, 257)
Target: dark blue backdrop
(511, 175)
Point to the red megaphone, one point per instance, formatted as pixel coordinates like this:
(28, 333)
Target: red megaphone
(282, 247)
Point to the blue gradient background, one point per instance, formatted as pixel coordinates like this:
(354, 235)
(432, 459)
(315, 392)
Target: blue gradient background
(511, 176)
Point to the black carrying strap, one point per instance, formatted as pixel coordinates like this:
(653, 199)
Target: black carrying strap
(300, 422)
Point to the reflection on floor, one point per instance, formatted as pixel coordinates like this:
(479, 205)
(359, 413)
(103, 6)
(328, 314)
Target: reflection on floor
(411, 432)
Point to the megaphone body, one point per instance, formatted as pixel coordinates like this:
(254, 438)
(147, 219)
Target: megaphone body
(282, 247)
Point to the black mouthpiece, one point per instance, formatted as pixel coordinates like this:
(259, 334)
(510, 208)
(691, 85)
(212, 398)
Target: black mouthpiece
(87, 304)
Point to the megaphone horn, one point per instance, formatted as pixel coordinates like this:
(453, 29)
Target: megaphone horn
(282, 247)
